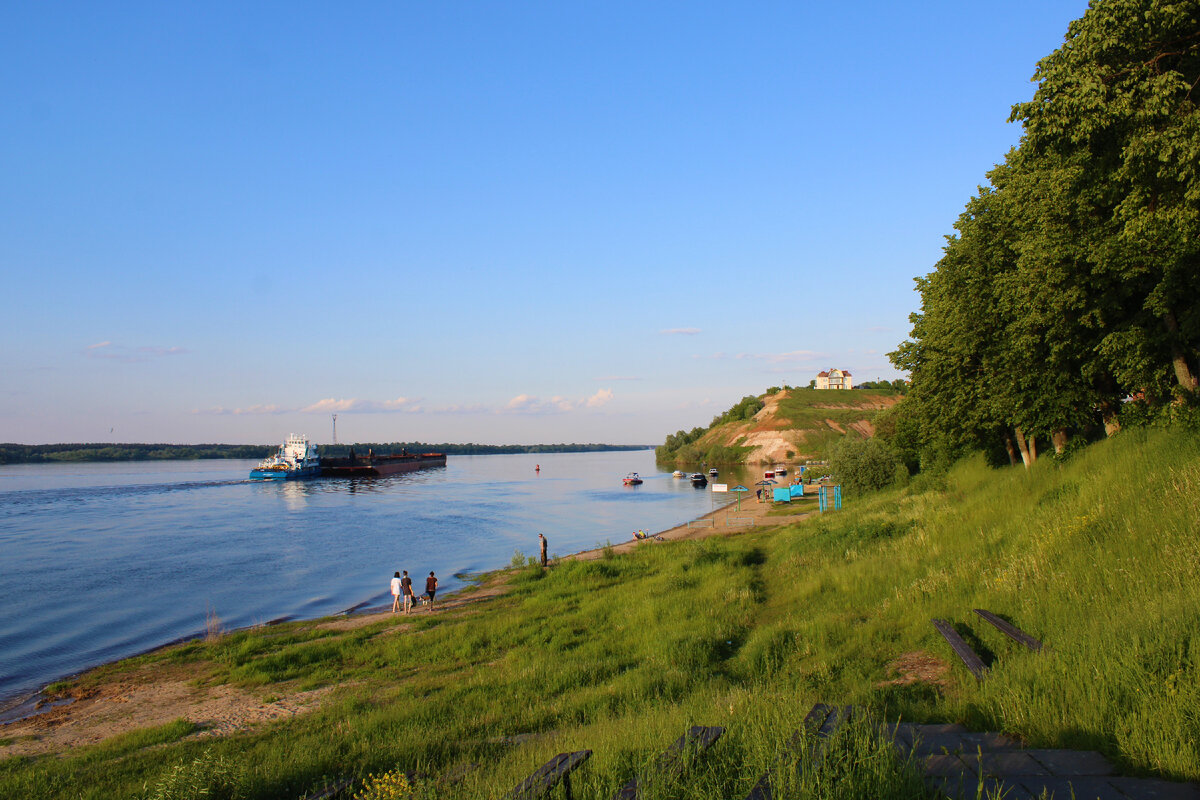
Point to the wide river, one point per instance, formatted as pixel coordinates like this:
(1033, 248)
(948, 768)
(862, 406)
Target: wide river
(102, 561)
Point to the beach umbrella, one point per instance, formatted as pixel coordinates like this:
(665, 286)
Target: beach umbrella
(739, 489)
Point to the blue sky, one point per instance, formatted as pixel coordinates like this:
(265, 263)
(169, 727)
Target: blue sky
(489, 222)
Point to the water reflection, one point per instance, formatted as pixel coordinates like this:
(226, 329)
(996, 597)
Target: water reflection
(295, 494)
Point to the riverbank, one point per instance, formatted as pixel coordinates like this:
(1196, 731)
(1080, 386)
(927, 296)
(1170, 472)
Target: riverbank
(66, 717)
(620, 653)
(159, 545)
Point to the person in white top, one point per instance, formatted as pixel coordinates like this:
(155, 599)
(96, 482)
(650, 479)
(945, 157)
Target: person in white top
(396, 593)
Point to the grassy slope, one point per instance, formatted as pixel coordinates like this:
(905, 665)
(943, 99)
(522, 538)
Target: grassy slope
(810, 408)
(809, 411)
(1099, 558)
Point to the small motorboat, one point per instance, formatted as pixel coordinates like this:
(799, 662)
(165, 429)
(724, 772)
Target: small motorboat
(631, 479)
(769, 474)
(678, 474)
(698, 479)
(780, 471)
(712, 473)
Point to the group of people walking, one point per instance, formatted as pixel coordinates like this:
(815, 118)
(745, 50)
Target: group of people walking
(402, 592)
(402, 586)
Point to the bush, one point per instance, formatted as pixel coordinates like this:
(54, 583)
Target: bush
(862, 465)
(206, 776)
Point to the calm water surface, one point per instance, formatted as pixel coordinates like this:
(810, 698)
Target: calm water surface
(101, 561)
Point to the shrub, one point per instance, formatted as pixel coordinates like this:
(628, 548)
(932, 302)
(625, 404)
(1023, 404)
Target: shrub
(862, 465)
(206, 776)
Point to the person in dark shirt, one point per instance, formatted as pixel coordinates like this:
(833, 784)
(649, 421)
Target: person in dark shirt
(431, 589)
(542, 544)
(406, 588)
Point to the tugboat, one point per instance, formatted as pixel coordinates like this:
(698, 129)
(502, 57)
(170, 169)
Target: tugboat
(631, 479)
(295, 459)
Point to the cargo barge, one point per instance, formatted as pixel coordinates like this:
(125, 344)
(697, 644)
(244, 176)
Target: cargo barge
(373, 466)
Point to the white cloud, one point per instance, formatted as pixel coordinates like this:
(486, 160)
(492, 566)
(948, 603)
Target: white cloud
(600, 398)
(354, 405)
(531, 404)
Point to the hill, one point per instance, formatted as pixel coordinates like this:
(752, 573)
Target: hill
(780, 426)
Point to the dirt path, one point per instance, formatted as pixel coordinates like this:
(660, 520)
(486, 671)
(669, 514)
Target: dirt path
(724, 521)
(159, 694)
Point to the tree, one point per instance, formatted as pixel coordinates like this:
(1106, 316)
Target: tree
(862, 465)
(1118, 102)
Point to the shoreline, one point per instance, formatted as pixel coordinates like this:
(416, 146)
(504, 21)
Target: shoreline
(34, 707)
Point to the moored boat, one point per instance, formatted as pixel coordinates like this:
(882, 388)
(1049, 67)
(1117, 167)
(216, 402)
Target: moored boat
(712, 473)
(678, 474)
(698, 479)
(297, 458)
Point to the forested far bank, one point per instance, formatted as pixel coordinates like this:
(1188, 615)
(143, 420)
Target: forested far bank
(1065, 305)
(79, 452)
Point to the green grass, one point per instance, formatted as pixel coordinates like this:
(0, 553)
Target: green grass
(810, 408)
(621, 654)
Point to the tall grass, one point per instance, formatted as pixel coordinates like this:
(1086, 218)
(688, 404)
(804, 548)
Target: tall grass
(1097, 557)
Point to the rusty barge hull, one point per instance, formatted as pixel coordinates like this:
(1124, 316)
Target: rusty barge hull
(378, 466)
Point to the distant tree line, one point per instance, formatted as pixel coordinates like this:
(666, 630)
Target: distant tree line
(50, 453)
(43, 453)
(1068, 302)
(898, 385)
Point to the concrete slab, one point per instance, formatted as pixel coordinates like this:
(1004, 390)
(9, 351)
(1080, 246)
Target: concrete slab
(947, 766)
(961, 787)
(1069, 763)
(974, 742)
(1011, 762)
(1155, 789)
(1073, 789)
(929, 744)
(1005, 790)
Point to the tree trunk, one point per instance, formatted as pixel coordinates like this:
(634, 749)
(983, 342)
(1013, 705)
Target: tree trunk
(1183, 370)
(1111, 423)
(1059, 439)
(1033, 448)
(1023, 446)
(1012, 451)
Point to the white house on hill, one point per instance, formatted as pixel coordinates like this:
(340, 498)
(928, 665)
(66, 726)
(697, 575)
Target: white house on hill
(834, 379)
